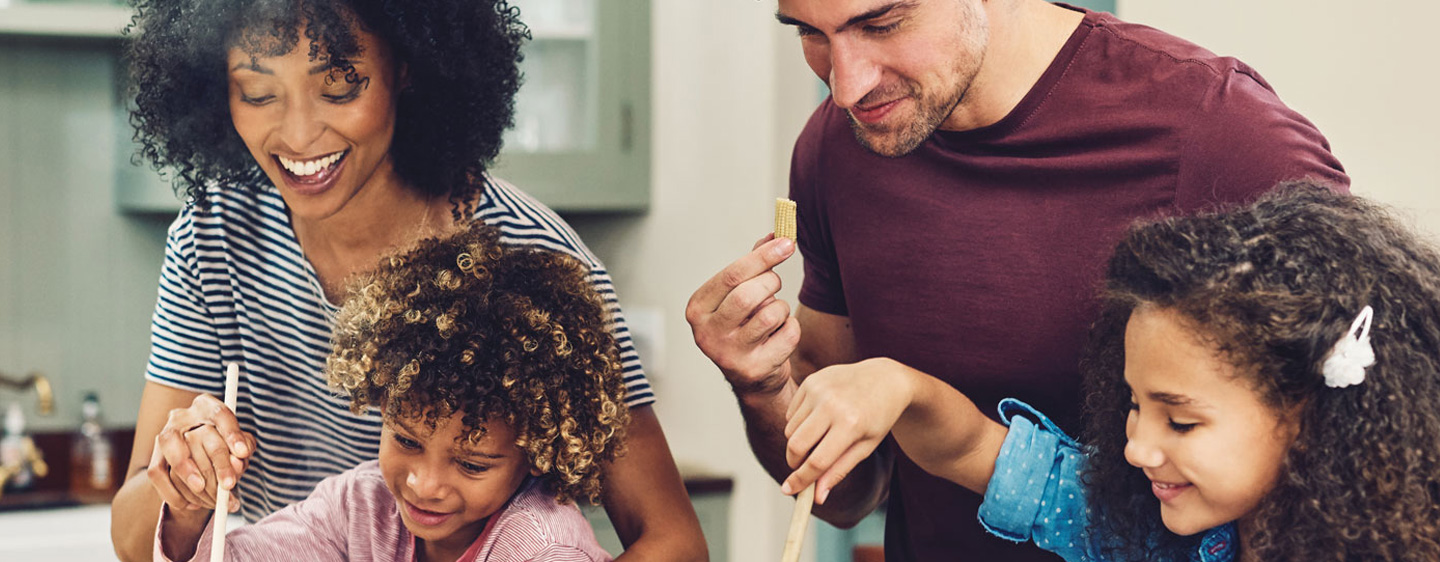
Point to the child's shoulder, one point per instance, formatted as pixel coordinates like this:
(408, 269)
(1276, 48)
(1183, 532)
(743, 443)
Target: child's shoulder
(533, 518)
(359, 486)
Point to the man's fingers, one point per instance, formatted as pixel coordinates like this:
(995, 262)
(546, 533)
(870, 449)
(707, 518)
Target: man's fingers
(760, 260)
(762, 241)
(766, 320)
(746, 299)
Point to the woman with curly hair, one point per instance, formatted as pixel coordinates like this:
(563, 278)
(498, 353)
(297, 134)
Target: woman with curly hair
(501, 395)
(312, 137)
(1263, 384)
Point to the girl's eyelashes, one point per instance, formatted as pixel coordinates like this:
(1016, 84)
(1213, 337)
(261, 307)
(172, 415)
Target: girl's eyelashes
(1182, 427)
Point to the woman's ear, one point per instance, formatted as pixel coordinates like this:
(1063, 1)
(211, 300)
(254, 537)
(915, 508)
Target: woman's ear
(535, 471)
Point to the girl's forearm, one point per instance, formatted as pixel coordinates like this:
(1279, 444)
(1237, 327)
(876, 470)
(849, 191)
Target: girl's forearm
(946, 434)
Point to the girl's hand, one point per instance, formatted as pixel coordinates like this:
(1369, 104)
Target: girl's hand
(199, 449)
(838, 417)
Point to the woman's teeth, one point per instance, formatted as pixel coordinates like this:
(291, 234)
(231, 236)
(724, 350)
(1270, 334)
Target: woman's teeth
(309, 167)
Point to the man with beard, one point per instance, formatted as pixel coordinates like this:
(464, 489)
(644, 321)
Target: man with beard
(1002, 147)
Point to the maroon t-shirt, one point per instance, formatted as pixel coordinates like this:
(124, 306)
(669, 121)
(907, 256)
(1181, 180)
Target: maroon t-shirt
(978, 257)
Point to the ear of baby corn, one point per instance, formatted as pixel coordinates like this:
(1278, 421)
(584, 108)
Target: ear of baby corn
(784, 218)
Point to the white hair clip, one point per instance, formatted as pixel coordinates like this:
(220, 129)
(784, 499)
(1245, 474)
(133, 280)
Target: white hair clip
(1347, 361)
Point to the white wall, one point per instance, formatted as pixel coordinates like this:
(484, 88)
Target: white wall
(1364, 73)
(730, 94)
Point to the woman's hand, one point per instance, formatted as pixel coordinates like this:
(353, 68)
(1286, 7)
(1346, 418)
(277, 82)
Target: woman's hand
(200, 448)
(838, 417)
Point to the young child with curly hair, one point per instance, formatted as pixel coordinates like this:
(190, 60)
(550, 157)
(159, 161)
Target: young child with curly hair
(1263, 384)
(501, 392)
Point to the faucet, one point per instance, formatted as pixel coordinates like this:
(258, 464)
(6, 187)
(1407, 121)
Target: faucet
(42, 389)
(31, 454)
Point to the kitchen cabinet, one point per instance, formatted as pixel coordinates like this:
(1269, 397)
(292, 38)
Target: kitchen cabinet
(581, 140)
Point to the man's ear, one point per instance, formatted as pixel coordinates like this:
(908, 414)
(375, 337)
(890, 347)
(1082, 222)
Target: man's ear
(535, 471)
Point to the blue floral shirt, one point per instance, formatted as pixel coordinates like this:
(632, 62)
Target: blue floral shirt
(1035, 493)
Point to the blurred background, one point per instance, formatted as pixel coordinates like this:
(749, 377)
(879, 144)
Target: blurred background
(661, 130)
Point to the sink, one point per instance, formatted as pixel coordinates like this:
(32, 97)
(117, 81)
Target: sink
(60, 535)
(66, 534)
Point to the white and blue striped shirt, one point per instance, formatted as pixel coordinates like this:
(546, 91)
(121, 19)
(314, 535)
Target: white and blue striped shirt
(236, 287)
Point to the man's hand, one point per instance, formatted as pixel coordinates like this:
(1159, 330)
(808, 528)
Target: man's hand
(740, 325)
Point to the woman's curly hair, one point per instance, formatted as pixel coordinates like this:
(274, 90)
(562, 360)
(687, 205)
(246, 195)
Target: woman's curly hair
(1272, 286)
(466, 325)
(462, 66)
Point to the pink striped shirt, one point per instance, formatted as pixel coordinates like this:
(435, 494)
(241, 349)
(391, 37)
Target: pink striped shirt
(353, 517)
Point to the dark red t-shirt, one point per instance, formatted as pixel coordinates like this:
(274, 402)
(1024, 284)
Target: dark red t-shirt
(978, 257)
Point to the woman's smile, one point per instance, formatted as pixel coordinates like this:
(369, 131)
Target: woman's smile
(313, 176)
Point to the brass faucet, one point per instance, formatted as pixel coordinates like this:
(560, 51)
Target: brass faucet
(31, 456)
(42, 389)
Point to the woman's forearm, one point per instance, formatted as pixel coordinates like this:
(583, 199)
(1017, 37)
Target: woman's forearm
(646, 500)
(133, 515)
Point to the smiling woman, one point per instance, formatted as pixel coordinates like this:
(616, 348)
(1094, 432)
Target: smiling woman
(313, 137)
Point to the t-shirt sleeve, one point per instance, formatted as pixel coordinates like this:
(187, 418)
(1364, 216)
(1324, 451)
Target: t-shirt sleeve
(184, 346)
(822, 289)
(637, 386)
(1242, 141)
(1035, 492)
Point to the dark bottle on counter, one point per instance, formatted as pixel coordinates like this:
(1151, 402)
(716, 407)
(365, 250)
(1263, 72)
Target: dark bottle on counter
(92, 461)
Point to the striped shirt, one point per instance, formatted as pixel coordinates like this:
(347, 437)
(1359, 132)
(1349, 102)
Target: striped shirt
(236, 287)
(353, 516)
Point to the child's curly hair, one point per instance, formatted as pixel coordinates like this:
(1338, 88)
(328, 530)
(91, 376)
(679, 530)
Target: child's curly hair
(465, 324)
(1273, 286)
(462, 71)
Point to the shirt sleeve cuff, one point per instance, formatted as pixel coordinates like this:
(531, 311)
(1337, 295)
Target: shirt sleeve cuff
(202, 546)
(1028, 456)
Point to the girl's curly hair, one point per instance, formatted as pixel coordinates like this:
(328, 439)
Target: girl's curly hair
(466, 325)
(1273, 285)
(461, 57)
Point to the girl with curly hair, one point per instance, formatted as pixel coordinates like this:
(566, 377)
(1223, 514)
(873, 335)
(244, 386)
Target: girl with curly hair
(501, 395)
(311, 137)
(1263, 384)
